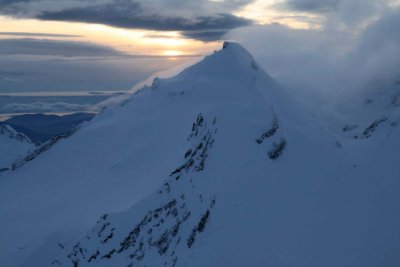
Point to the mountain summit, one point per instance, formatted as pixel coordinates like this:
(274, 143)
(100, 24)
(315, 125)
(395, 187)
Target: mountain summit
(213, 167)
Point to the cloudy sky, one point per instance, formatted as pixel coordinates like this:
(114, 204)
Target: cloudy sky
(109, 45)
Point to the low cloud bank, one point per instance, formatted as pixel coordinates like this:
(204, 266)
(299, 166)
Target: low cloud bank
(38, 107)
(328, 66)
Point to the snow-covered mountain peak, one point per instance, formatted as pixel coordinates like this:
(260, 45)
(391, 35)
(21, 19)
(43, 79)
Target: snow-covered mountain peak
(230, 75)
(214, 117)
(232, 63)
(212, 167)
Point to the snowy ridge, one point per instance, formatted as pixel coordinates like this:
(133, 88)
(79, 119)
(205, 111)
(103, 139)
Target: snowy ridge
(13, 146)
(9, 132)
(41, 149)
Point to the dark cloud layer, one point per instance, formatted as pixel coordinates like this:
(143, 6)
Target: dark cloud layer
(200, 19)
(40, 47)
(210, 35)
(35, 34)
(6, 3)
(203, 27)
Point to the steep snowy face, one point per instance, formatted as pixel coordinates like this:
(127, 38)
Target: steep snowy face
(13, 146)
(221, 168)
(126, 152)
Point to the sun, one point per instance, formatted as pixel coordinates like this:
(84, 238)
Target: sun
(172, 53)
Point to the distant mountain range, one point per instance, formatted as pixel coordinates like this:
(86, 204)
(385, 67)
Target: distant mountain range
(41, 127)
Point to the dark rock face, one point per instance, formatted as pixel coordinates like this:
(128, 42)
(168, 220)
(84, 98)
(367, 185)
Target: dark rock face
(270, 132)
(175, 221)
(277, 148)
(225, 45)
(369, 130)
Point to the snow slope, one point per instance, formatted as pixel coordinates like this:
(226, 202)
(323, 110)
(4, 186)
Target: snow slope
(243, 177)
(13, 146)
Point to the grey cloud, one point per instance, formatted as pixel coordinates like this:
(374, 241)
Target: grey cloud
(15, 8)
(347, 12)
(16, 73)
(183, 7)
(210, 35)
(54, 48)
(14, 76)
(189, 16)
(120, 13)
(10, 2)
(134, 18)
(35, 34)
(5, 3)
(311, 5)
(131, 15)
(383, 33)
(328, 67)
(377, 54)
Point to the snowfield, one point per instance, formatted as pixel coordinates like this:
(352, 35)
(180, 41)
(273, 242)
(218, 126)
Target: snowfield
(216, 166)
